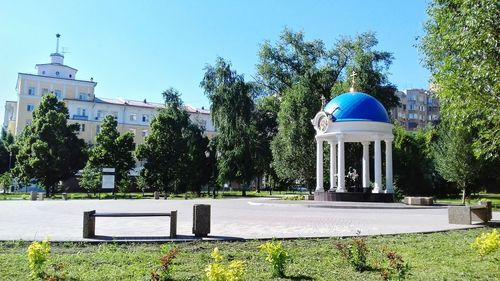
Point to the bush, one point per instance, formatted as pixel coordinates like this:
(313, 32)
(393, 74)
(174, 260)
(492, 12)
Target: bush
(277, 256)
(218, 270)
(486, 243)
(38, 253)
(354, 253)
(396, 269)
(164, 271)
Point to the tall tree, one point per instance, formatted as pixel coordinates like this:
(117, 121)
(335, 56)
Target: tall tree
(111, 150)
(294, 145)
(49, 150)
(7, 157)
(455, 160)
(174, 152)
(299, 73)
(231, 107)
(461, 49)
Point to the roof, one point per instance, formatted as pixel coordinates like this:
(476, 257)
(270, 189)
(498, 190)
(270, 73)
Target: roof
(57, 64)
(147, 104)
(52, 77)
(356, 106)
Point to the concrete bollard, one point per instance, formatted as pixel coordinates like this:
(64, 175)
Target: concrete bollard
(156, 195)
(488, 206)
(33, 195)
(65, 196)
(201, 220)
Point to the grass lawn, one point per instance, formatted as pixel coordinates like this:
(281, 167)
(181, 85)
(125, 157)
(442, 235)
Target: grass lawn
(494, 198)
(436, 256)
(139, 195)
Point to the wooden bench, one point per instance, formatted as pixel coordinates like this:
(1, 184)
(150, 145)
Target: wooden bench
(468, 214)
(89, 220)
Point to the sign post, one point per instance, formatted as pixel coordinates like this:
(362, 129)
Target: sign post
(108, 179)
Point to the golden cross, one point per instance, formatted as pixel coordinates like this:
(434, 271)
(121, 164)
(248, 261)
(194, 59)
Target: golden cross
(353, 75)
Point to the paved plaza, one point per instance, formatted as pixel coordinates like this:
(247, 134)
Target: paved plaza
(247, 218)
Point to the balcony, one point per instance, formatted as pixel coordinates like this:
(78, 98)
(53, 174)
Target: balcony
(80, 117)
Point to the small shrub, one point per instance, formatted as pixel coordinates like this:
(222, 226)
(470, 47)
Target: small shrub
(396, 269)
(56, 273)
(25, 196)
(486, 243)
(38, 253)
(218, 270)
(277, 256)
(354, 253)
(164, 271)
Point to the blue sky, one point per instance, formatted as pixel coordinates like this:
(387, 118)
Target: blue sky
(136, 49)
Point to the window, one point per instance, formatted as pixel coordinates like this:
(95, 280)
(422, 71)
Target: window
(132, 131)
(58, 94)
(100, 114)
(82, 96)
(411, 107)
(45, 91)
(57, 73)
(145, 118)
(133, 117)
(30, 107)
(31, 91)
(422, 108)
(82, 128)
(144, 133)
(81, 111)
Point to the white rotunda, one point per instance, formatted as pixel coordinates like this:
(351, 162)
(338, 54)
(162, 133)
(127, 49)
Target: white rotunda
(354, 117)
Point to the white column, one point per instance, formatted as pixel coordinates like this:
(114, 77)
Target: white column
(341, 165)
(366, 164)
(319, 165)
(333, 164)
(378, 167)
(388, 166)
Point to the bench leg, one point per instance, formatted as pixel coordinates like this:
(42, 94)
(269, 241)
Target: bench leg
(89, 224)
(173, 224)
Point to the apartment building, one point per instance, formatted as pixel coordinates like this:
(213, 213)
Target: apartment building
(417, 108)
(84, 107)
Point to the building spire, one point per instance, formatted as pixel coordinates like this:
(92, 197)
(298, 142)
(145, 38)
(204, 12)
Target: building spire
(57, 44)
(353, 75)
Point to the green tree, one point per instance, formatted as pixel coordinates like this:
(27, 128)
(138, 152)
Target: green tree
(91, 179)
(412, 161)
(455, 160)
(175, 150)
(112, 150)
(49, 150)
(298, 73)
(294, 147)
(6, 181)
(461, 50)
(197, 168)
(7, 156)
(232, 109)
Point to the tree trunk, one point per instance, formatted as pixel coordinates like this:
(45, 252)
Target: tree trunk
(259, 179)
(463, 195)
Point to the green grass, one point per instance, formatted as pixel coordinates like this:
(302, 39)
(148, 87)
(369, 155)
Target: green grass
(494, 198)
(149, 195)
(436, 256)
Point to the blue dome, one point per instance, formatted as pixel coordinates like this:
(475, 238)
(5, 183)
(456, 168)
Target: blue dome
(356, 106)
